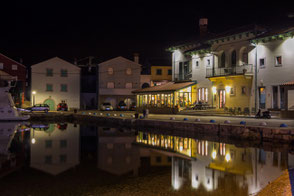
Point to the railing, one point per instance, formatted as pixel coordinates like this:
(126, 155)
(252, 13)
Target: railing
(227, 71)
(183, 77)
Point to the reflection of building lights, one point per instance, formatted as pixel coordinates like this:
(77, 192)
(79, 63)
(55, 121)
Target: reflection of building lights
(33, 140)
(214, 90)
(181, 148)
(213, 155)
(228, 89)
(228, 157)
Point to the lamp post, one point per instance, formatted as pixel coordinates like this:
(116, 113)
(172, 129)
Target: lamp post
(34, 94)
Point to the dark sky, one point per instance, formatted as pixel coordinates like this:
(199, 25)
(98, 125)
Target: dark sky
(35, 32)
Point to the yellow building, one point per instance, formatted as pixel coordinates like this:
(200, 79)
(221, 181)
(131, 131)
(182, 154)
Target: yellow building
(160, 75)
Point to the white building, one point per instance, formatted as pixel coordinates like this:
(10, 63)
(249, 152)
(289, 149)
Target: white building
(118, 77)
(56, 80)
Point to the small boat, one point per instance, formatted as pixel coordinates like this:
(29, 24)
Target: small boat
(8, 111)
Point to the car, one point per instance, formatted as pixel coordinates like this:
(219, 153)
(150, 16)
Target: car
(106, 106)
(122, 106)
(39, 107)
(62, 107)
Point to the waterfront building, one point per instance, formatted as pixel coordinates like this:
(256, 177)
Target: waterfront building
(56, 80)
(225, 67)
(19, 71)
(118, 77)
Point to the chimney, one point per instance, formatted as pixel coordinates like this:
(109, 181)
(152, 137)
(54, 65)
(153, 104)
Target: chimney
(136, 58)
(203, 22)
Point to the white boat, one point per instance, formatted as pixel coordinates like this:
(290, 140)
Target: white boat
(8, 111)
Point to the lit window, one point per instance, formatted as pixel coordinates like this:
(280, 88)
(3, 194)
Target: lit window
(110, 70)
(49, 72)
(128, 71)
(14, 67)
(63, 73)
(63, 88)
(129, 85)
(278, 60)
(262, 63)
(203, 94)
(110, 84)
(49, 87)
(1, 66)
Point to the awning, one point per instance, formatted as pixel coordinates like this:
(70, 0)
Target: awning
(169, 87)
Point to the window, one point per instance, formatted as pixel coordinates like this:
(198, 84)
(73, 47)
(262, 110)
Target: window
(110, 71)
(48, 159)
(234, 58)
(48, 143)
(110, 84)
(128, 71)
(49, 87)
(223, 60)
(197, 64)
(158, 159)
(208, 63)
(62, 158)
(63, 143)
(158, 71)
(243, 90)
(262, 63)
(1, 66)
(245, 57)
(63, 88)
(232, 91)
(169, 72)
(278, 61)
(129, 85)
(14, 67)
(49, 72)
(63, 73)
(203, 94)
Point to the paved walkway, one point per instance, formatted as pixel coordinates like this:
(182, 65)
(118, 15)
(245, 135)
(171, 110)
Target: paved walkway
(274, 122)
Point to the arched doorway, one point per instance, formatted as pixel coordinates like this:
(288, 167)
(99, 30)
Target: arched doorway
(145, 85)
(234, 58)
(51, 103)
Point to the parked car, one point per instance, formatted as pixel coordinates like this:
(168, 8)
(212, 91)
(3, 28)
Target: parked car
(39, 107)
(122, 106)
(62, 107)
(106, 106)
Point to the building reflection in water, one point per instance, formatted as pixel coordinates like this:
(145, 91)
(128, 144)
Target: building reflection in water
(55, 147)
(207, 164)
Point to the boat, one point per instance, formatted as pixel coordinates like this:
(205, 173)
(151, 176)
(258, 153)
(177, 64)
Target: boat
(8, 111)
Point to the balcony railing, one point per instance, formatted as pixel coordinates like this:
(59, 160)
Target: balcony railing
(183, 77)
(227, 71)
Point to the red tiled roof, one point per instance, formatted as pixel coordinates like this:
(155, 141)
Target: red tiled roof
(171, 86)
(288, 83)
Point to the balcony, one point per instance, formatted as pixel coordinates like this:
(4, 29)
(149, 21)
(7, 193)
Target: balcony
(245, 69)
(183, 77)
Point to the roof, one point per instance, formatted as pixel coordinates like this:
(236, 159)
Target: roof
(171, 86)
(18, 63)
(277, 31)
(288, 83)
(58, 59)
(118, 59)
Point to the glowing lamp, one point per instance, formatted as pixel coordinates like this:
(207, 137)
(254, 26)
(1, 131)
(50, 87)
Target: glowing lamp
(228, 89)
(34, 92)
(33, 140)
(228, 157)
(213, 155)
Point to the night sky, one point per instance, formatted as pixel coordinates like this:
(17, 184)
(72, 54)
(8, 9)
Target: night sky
(36, 32)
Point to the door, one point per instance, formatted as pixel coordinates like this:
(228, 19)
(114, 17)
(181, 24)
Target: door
(222, 98)
(51, 104)
(262, 97)
(275, 97)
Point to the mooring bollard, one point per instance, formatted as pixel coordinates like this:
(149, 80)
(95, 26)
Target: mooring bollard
(141, 117)
(121, 115)
(133, 116)
(242, 123)
(227, 122)
(114, 114)
(283, 125)
(83, 113)
(107, 114)
(94, 113)
(197, 120)
(172, 118)
(262, 124)
(212, 121)
(185, 119)
(101, 114)
(90, 113)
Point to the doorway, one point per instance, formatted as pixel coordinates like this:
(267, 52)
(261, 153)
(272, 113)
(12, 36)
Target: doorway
(275, 97)
(222, 98)
(262, 97)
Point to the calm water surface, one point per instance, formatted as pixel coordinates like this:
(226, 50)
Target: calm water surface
(73, 159)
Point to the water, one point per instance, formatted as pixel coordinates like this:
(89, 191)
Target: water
(73, 159)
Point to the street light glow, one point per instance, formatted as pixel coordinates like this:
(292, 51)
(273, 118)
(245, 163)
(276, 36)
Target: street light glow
(34, 92)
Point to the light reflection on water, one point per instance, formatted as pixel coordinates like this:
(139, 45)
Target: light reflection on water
(202, 165)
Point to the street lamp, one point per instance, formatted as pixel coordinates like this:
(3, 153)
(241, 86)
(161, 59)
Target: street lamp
(34, 94)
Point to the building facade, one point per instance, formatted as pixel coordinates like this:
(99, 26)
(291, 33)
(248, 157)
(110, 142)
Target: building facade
(160, 75)
(118, 77)
(56, 80)
(17, 70)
